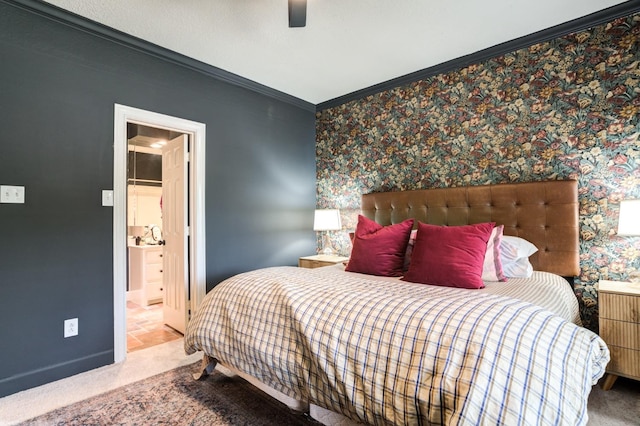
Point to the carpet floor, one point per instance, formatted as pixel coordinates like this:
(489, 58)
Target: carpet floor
(175, 398)
(619, 406)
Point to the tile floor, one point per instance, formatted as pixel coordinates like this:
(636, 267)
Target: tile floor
(145, 327)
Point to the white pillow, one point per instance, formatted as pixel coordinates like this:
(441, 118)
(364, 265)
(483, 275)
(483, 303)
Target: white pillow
(520, 268)
(514, 254)
(523, 248)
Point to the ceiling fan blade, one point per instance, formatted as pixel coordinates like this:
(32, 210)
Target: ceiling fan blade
(297, 13)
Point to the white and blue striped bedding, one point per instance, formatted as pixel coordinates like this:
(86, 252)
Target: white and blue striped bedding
(390, 352)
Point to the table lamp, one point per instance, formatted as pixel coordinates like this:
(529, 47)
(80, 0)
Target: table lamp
(327, 220)
(629, 226)
(137, 232)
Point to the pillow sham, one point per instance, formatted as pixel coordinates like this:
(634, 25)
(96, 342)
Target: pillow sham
(379, 250)
(492, 266)
(407, 254)
(451, 256)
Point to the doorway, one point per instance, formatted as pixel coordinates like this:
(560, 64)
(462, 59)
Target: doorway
(147, 206)
(196, 271)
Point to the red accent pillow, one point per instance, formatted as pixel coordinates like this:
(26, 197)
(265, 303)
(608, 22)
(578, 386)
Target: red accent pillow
(450, 256)
(379, 250)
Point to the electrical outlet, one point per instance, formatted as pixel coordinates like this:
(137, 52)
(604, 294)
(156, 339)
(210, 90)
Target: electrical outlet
(70, 327)
(11, 194)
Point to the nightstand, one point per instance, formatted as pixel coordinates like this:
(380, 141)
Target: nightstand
(320, 260)
(620, 328)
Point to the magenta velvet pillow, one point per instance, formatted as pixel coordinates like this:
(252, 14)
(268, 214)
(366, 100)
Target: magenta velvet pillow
(379, 250)
(450, 256)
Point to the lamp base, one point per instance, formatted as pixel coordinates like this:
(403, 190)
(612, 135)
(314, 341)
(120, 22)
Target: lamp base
(329, 251)
(327, 248)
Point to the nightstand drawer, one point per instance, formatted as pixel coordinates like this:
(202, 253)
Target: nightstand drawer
(620, 307)
(620, 333)
(624, 362)
(320, 260)
(305, 263)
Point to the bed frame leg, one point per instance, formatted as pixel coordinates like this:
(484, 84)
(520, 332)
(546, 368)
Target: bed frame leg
(206, 367)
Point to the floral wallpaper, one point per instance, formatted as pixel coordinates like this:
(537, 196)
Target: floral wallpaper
(563, 109)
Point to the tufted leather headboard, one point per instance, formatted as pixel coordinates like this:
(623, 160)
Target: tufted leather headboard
(545, 213)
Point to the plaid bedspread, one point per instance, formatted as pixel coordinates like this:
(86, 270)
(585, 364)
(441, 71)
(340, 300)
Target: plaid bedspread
(397, 353)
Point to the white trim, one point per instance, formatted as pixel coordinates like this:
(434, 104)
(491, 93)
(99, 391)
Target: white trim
(197, 271)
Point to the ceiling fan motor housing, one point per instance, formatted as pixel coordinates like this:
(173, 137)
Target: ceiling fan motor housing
(297, 13)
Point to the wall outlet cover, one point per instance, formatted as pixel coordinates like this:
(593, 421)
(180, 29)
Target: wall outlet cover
(11, 194)
(70, 327)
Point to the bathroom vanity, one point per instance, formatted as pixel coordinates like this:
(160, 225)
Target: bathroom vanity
(145, 274)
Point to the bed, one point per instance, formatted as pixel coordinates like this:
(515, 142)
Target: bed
(351, 347)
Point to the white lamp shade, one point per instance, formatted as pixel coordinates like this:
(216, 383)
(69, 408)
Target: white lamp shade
(327, 220)
(629, 220)
(136, 231)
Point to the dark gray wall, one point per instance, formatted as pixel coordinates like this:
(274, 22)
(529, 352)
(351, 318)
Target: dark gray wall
(58, 86)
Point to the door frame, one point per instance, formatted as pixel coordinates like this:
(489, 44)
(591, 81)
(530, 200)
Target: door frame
(197, 264)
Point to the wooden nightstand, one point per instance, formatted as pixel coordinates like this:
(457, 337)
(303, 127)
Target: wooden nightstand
(320, 260)
(620, 328)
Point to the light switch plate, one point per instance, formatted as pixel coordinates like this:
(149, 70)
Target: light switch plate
(107, 197)
(11, 194)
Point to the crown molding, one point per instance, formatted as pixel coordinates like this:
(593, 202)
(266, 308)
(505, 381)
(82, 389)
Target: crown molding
(78, 22)
(579, 24)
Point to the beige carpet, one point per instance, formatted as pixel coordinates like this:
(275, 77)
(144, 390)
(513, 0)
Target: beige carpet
(139, 365)
(618, 407)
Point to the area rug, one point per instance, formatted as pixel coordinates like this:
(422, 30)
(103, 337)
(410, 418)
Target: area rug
(175, 398)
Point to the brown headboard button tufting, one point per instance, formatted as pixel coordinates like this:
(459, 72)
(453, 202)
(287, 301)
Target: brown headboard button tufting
(545, 213)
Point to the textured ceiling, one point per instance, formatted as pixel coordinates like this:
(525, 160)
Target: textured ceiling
(346, 46)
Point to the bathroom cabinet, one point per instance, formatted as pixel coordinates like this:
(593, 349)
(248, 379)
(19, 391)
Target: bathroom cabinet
(145, 274)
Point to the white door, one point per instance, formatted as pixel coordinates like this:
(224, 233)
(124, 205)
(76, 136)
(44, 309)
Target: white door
(175, 278)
